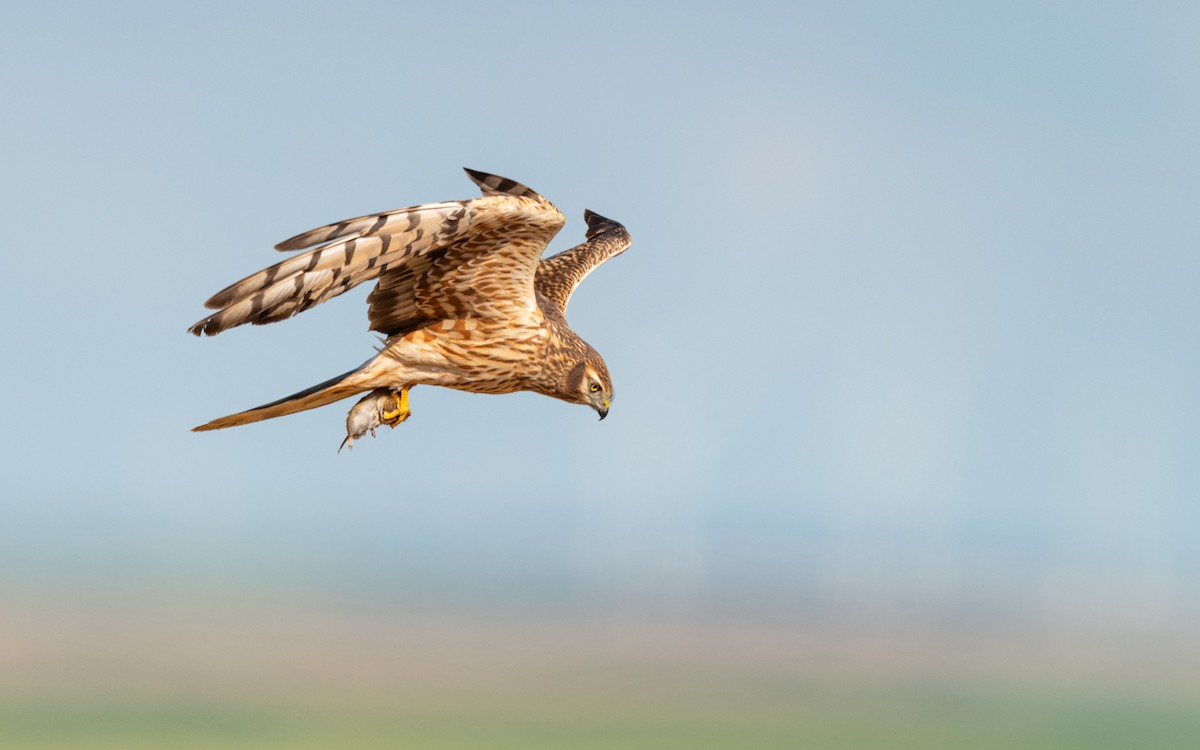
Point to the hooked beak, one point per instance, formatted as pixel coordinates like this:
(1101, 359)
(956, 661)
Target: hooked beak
(603, 409)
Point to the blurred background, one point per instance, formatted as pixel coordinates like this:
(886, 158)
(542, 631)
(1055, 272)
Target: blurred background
(903, 452)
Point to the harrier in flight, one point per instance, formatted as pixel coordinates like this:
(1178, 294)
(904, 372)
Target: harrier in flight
(464, 300)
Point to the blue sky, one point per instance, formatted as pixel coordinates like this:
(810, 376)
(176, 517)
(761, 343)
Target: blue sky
(910, 315)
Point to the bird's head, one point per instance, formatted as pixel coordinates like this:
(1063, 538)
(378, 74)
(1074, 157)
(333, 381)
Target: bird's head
(588, 383)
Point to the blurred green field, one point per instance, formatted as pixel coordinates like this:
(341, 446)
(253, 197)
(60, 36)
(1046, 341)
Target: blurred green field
(181, 674)
(908, 718)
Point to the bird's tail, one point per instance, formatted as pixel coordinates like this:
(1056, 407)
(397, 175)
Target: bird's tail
(335, 389)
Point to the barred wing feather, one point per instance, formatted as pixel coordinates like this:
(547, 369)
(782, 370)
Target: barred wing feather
(407, 241)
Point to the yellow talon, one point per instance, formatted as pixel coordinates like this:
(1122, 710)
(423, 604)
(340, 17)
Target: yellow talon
(401, 413)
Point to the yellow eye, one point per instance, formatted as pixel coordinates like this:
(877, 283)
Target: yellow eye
(594, 387)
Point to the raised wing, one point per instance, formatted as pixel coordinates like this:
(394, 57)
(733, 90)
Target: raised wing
(488, 274)
(398, 247)
(558, 275)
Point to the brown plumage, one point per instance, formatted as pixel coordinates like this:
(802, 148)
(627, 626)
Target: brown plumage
(463, 297)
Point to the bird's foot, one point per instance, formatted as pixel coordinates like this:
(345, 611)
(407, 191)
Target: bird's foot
(393, 417)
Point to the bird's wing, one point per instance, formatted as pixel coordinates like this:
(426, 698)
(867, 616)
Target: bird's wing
(397, 247)
(559, 275)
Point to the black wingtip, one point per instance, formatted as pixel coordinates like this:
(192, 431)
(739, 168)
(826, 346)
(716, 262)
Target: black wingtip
(598, 224)
(494, 184)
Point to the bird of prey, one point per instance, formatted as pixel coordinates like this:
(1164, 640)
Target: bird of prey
(463, 299)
